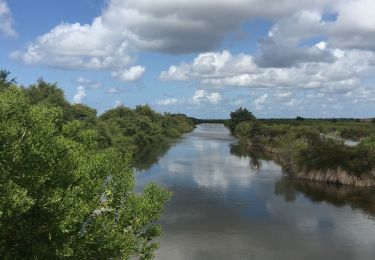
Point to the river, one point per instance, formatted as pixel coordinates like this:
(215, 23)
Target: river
(231, 204)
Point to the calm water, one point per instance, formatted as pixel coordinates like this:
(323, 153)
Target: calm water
(229, 204)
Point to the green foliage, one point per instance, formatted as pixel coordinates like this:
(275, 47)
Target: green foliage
(134, 129)
(66, 179)
(300, 118)
(49, 95)
(332, 154)
(83, 112)
(247, 129)
(62, 195)
(238, 116)
(5, 81)
(314, 144)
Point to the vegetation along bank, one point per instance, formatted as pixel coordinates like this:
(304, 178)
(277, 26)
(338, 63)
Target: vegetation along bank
(312, 149)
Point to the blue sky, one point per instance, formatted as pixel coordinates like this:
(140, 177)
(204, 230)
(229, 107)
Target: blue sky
(203, 58)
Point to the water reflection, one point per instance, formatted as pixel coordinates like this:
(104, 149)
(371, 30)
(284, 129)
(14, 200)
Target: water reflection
(338, 195)
(241, 150)
(151, 154)
(229, 204)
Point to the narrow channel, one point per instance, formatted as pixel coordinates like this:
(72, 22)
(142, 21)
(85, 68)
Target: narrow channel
(231, 204)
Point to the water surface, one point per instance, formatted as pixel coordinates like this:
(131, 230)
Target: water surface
(231, 204)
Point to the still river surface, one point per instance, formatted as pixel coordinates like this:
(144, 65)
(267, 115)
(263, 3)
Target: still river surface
(231, 204)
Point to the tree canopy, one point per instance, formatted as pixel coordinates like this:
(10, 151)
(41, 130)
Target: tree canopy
(238, 116)
(5, 81)
(61, 196)
(66, 176)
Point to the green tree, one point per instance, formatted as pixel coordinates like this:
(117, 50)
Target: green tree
(5, 81)
(238, 116)
(133, 129)
(62, 196)
(83, 112)
(50, 95)
(300, 118)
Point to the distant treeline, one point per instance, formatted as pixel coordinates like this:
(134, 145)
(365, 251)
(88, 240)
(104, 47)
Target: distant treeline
(297, 120)
(66, 176)
(197, 121)
(314, 120)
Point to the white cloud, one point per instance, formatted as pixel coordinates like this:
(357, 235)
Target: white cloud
(125, 27)
(211, 65)
(287, 94)
(292, 56)
(129, 75)
(198, 97)
(76, 46)
(237, 102)
(167, 101)
(293, 102)
(6, 20)
(88, 83)
(214, 98)
(224, 69)
(201, 96)
(80, 95)
(82, 80)
(114, 90)
(185, 26)
(118, 103)
(259, 102)
(355, 25)
(174, 73)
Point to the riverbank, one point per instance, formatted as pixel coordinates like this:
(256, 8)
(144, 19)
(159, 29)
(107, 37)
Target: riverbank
(332, 175)
(320, 160)
(306, 150)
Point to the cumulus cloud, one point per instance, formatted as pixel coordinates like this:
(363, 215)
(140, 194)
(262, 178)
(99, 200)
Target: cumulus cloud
(167, 26)
(80, 95)
(211, 65)
(214, 98)
(185, 26)
(351, 26)
(278, 55)
(355, 25)
(114, 90)
(202, 96)
(88, 83)
(167, 101)
(76, 46)
(224, 69)
(291, 55)
(134, 73)
(6, 20)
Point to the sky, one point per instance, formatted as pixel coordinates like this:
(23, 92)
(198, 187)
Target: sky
(204, 58)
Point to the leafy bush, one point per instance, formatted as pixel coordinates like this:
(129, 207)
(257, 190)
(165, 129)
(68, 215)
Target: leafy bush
(62, 196)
